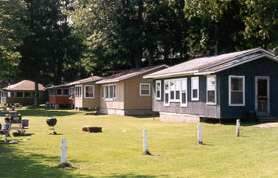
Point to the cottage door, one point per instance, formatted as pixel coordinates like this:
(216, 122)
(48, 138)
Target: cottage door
(262, 96)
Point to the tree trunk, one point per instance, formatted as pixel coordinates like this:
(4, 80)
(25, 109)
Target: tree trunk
(36, 97)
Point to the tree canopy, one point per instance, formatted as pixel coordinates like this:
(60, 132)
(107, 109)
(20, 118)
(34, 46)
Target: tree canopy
(52, 41)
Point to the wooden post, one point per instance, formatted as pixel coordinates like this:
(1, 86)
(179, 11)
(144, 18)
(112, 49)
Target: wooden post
(64, 149)
(200, 133)
(145, 143)
(238, 127)
(5, 138)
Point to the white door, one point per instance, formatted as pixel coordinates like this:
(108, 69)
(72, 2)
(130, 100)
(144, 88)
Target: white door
(262, 97)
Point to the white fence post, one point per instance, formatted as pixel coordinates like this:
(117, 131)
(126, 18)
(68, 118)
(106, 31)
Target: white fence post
(238, 127)
(145, 143)
(64, 149)
(200, 133)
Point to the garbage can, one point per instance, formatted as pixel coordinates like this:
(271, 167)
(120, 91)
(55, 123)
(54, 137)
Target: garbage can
(25, 123)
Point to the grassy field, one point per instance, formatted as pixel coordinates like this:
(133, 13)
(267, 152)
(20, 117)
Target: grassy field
(117, 152)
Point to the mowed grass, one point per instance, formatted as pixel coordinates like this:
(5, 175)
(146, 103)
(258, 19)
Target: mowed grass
(117, 152)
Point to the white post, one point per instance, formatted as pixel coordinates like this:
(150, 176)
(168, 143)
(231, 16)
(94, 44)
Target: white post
(200, 133)
(145, 142)
(238, 127)
(5, 138)
(64, 149)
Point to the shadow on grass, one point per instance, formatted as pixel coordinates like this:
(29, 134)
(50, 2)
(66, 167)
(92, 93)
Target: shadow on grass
(45, 113)
(13, 165)
(132, 176)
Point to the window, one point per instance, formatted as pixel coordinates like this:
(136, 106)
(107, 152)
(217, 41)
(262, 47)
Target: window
(110, 91)
(71, 91)
(89, 91)
(166, 93)
(211, 89)
(59, 92)
(175, 85)
(158, 89)
(177, 90)
(27, 94)
(66, 92)
(51, 92)
(145, 89)
(19, 94)
(172, 90)
(183, 92)
(78, 91)
(236, 91)
(103, 91)
(195, 88)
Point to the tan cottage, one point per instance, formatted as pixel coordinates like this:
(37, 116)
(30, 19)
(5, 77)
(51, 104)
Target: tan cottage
(127, 93)
(22, 93)
(86, 93)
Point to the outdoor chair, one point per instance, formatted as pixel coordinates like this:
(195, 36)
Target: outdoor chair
(5, 129)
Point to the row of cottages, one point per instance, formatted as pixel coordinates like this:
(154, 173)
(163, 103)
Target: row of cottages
(123, 93)
(222, 87)
(22, 92)
(80, 94)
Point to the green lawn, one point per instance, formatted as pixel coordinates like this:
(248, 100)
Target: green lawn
(117, 152)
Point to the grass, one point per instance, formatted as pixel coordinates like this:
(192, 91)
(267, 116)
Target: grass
(117, 152)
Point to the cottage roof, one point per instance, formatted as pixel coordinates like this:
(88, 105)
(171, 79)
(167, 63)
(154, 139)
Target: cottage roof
(77, 82)
(24, 85)
(213, 64)
(127, 74)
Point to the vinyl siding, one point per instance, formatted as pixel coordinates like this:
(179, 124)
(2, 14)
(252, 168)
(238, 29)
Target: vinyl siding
(259, 67)
(200, 108)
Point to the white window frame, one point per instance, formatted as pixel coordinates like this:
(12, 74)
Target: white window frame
(184, 90)
(166, 92)
(81, 93)
(140, 89)
(198, 89)
(172, 88)
(107, 87)
(160, 89)
(85, 90)
(215, 90)
(176, 81)
(243, 89)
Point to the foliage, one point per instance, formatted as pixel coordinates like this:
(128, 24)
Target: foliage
(224, 26)
(130, 33)
(261, 23)
(12, 30)
(61, 40)
(50, 54)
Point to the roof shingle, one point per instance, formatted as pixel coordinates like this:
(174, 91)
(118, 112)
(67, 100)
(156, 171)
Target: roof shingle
(24, 85)
(212, 64)
(129, 74)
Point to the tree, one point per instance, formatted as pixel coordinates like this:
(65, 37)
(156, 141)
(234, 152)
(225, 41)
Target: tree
(260, 18)
(131, 33)
(215, 26)
(13, 30)
(224, 26)
(51, 50)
